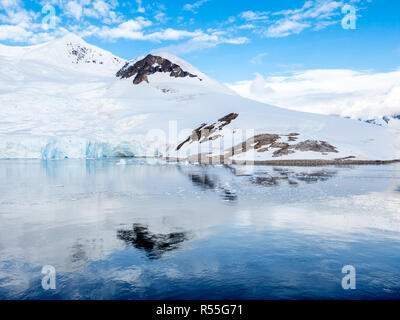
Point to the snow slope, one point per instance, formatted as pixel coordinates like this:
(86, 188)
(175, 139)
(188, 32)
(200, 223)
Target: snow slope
(62, 99)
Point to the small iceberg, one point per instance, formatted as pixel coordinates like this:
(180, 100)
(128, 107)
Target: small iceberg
(122, 162)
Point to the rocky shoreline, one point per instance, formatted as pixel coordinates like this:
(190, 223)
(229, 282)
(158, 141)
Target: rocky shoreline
(296, 163)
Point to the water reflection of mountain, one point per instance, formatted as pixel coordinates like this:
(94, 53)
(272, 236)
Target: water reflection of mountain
(155, 245)
(292, 178)
(263, 176)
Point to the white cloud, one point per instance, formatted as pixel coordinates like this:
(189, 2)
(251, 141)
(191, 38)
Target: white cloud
(17, 16)
(161, 17)
(14, 33)
(130, 29)
(201, 42)
(172, 34)
(316, 14)
(111, 24)
(98, 9)
(258, 59)
(193, 7)
(17, 23)
(247, 26)
(14, 13)
(24, 26)
(74, 9)
(238, 40)
(136, 30)
(4, 4)
(141, 9)
(284, 28)
(350, 93)
(254, 15)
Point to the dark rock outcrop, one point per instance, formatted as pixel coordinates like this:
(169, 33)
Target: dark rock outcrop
(80, 54)
(151, 65)
(316, 146)
(266, 142)
(261, 143)
(204, 132)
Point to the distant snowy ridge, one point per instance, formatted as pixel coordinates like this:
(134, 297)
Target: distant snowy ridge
(63, 100)
(392, 121)
(69, 51)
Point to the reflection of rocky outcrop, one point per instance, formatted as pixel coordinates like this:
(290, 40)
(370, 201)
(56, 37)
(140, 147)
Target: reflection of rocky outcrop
(151, 65)
(155, 245)
(292, 178)
(207, 182)
(82, 251)
(315, 176)
(79, 255)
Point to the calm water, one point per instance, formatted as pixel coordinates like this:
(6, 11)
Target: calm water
(145, 230)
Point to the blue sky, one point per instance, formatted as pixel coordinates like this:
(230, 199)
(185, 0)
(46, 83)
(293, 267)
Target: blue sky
(229, 40)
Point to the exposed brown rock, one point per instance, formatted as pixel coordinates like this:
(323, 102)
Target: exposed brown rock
(203, 133)
(266, 142)
(213, 138)
(262, 140)
(346, 158)
(281, 145)
(260, 143)
(194, 137)
(282, 152)
(316, 146)
(227, 120)
(283, 149)
(292, 137)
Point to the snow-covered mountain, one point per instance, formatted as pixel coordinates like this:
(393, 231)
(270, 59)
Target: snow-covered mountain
(69, 52)
(69, 99)
(391, 121)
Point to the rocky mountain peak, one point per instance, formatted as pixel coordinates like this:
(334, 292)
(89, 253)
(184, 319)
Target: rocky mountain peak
(83, 54)
(150, 65)
(80, 53)
(77, 51)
